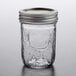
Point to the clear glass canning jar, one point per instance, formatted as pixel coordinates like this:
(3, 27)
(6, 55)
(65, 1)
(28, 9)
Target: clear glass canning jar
(38, 36)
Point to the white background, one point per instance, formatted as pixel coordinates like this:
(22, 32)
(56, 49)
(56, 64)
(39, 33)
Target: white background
(66, 29)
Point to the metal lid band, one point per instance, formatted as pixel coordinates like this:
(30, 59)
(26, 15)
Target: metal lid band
(38, 16)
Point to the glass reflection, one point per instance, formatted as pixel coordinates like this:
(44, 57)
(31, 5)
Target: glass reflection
(38, 72)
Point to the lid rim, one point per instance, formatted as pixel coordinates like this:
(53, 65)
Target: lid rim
(30, 17)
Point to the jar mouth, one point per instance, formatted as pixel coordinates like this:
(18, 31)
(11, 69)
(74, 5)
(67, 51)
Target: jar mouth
(38, 16)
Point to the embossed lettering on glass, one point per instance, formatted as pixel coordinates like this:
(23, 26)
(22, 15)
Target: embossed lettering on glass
(38, 36)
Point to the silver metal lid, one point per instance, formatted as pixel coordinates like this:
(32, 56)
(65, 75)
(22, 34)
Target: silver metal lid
(38, 16)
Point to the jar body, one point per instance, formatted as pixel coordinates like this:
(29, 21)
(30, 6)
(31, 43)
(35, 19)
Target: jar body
(38, 45)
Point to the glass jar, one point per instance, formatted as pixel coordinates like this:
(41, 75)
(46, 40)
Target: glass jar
(38, 36)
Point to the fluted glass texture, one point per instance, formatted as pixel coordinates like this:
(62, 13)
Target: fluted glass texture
(38, 44)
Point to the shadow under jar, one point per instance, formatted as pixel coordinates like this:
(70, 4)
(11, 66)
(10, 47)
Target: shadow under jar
(38, 36)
